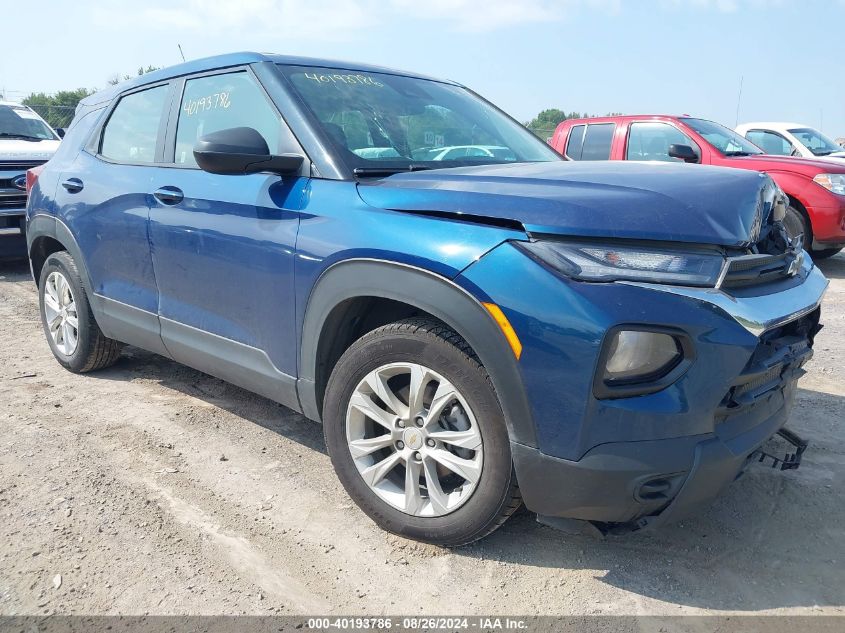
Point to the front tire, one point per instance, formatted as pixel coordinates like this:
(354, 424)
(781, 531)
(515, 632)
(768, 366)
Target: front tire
(796, 224)
(72, 333)
(417, 436)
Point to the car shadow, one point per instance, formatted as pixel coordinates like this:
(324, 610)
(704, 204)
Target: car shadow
(772, 540)
(137, 363)
(832, 267)
(14, 270)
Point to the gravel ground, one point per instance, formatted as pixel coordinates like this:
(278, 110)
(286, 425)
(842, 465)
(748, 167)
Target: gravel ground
(150, 488)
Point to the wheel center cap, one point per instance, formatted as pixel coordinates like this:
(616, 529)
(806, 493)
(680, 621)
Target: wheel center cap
(413, 439)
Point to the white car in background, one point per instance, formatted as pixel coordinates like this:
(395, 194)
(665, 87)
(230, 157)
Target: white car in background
(791, 139)
(26, 141)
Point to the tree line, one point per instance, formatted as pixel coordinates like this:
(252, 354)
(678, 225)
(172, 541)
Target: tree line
(57, 108)
(544, 124)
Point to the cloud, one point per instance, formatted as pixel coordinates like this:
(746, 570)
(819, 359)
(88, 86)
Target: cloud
(337, 20)
(282, 19)
(725, 6)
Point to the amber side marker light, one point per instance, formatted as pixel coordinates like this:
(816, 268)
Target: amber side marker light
(505, 325)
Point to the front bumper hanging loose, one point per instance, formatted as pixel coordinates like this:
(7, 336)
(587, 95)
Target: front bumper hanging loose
(791, 461)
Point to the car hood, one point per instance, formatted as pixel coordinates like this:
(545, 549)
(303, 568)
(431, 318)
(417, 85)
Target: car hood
(836, 157)
(16, 149)
(796, 164)
(646, 201)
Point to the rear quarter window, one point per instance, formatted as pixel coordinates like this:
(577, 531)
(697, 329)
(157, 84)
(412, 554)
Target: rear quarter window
(590, 142)
(131, 133)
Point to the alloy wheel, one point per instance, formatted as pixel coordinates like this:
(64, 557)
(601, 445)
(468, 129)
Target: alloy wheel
(60, 313)
(414, 439)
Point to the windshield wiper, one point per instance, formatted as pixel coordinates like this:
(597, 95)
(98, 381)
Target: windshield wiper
(739, 153)
(386, 171)
(23, 137)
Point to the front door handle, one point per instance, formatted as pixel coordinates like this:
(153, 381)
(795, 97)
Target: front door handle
(169, 195)
(73, 185)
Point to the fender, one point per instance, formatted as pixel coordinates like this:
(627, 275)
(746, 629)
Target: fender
(798, 186)
(428, 292)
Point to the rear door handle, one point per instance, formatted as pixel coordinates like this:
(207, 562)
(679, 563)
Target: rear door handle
(73, 185)
(169, 195)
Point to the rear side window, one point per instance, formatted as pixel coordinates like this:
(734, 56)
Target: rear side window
(219, 102)
(591, 142)
(575, 142)
(132, 130)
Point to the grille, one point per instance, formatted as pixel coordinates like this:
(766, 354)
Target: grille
(775, 255)
(20, 166)
(748, 270)
(13, 201)
(777, 361)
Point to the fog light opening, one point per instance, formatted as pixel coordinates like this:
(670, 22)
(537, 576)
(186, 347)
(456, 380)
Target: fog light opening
(636, 356)
(638, 360)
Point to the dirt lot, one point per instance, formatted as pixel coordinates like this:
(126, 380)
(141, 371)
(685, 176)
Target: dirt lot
(152, 488)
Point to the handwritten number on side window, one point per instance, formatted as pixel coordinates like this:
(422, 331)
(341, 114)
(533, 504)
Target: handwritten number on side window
(211, 102)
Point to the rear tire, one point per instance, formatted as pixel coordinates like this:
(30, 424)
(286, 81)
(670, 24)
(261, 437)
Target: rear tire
(445, 472)
(72, 333)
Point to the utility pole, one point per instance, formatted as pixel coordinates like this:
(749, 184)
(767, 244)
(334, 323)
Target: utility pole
(739, 99)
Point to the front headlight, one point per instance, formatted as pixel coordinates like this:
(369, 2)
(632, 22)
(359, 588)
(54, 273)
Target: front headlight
(599, 262)
(832, 182)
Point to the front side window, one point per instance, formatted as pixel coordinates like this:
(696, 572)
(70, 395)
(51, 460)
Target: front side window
(218, 102)
(384, 122)
(651, 140)
(132, 130)
(770, 142)
(723, 139)
(815, 141)
(19, 122)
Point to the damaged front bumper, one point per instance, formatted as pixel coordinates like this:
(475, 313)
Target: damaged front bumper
(635, 485)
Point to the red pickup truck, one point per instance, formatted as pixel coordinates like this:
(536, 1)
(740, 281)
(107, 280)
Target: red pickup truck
(816, 188)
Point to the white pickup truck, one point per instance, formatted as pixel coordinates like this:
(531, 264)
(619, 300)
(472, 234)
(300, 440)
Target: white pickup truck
(25, 142)
(791, 139)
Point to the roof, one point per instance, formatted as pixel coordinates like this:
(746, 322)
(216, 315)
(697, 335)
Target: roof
(619, 117)
(781, 126)
(239, 59)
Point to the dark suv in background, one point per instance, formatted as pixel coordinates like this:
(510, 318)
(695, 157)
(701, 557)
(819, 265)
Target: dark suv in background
(476, 328)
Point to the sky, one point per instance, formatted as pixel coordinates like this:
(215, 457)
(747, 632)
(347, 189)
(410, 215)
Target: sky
(595, 56)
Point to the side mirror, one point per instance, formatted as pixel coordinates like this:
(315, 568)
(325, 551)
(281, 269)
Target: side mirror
(241, 150)
(60, 131)
(684, 152)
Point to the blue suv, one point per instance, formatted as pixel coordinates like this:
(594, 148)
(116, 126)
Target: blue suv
(476, 321)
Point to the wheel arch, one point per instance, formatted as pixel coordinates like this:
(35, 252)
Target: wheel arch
(801, 207)
(356, 296)
(45, 235)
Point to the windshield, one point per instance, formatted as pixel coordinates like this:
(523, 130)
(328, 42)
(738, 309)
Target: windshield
(381, 123)
(815, 141)
(723, 139)
(22, 123)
